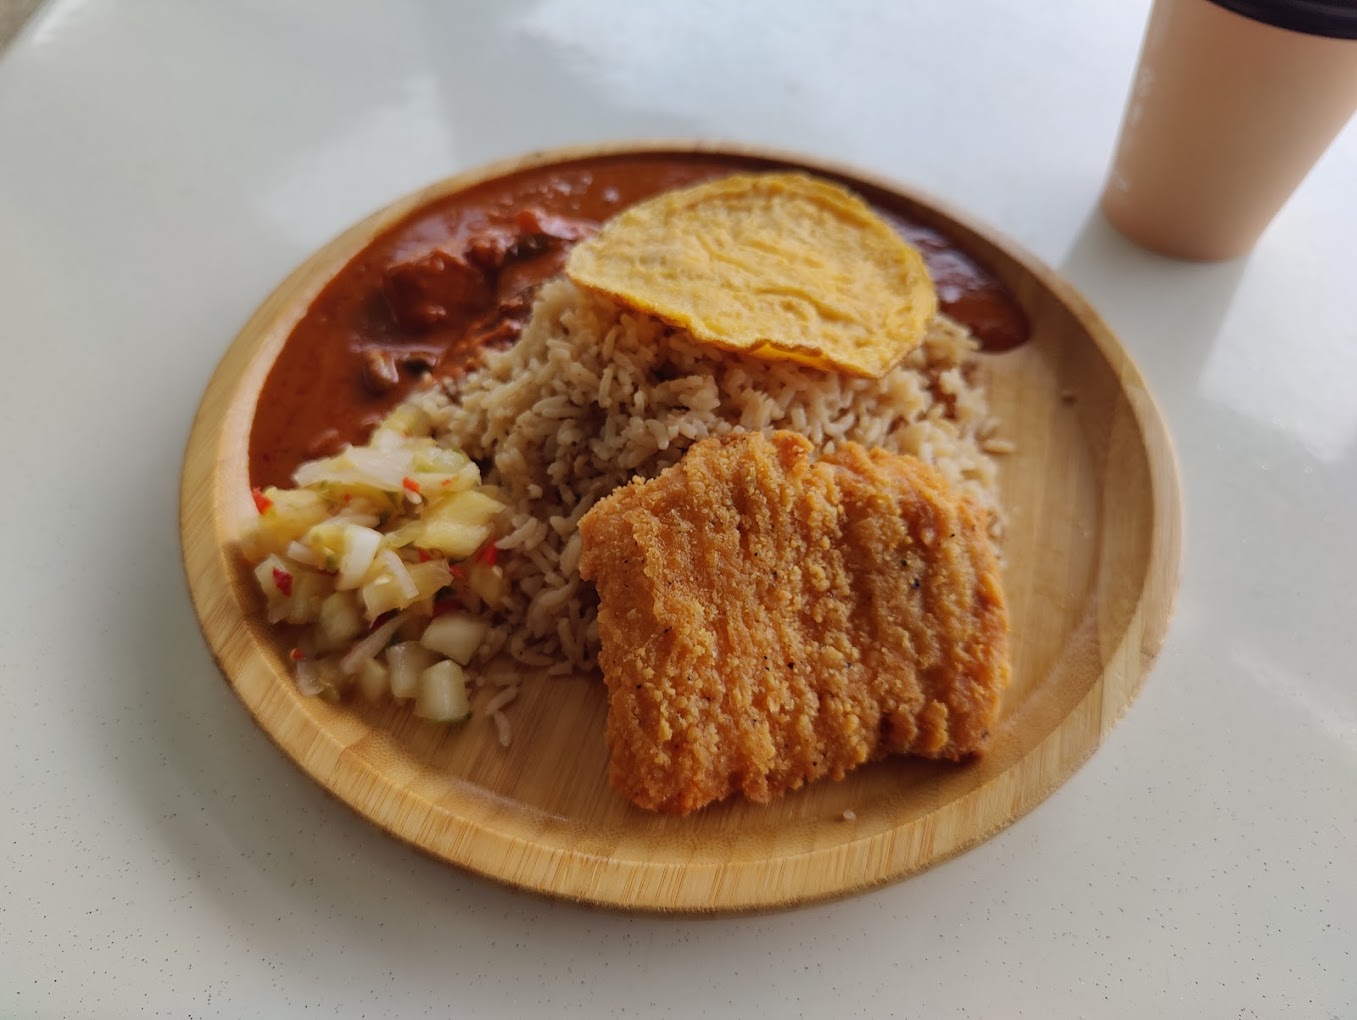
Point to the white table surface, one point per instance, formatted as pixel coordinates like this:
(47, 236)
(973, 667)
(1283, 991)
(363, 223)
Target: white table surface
(163, 164)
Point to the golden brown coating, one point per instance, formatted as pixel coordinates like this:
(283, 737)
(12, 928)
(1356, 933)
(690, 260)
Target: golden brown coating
(767, 620)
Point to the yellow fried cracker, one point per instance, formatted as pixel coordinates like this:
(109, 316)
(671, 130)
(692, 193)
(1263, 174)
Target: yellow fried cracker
(779, 266)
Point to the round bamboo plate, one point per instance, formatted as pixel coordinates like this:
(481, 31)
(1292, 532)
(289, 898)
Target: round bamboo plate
(1092, 548)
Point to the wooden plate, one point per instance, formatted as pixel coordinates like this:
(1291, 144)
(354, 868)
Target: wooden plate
(1092, 564)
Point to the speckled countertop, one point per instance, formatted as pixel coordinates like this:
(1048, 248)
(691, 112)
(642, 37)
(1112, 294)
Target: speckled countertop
(164, 164)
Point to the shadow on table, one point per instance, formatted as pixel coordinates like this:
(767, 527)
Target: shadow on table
(1169, 303)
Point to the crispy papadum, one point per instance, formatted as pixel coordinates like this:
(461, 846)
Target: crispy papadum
(778, 266)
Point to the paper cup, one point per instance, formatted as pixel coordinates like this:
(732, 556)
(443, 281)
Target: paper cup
(1232, 104)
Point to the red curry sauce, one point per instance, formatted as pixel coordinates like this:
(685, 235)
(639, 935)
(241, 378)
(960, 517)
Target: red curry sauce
(457, 276)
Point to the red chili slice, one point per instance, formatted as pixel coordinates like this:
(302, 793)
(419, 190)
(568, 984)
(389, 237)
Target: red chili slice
(488, 555)
(283, 580)
(262, 503)
(410, 484)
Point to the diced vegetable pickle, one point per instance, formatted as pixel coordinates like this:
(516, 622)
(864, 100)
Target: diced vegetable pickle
(442, 693)
(382, 555)
(456, 635)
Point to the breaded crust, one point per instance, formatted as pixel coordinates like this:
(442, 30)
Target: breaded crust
(767, 620)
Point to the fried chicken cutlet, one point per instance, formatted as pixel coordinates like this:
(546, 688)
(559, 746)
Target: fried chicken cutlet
(767, 619)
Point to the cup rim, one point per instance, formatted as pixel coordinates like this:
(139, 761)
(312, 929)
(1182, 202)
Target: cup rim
(1333, 19)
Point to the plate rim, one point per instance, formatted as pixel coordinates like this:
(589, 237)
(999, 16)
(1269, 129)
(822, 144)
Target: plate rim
(1127, 663)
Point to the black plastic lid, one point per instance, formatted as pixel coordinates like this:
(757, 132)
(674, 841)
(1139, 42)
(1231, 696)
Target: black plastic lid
(1336, 19)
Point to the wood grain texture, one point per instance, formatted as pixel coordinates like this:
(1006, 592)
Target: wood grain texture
(1092, 550)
